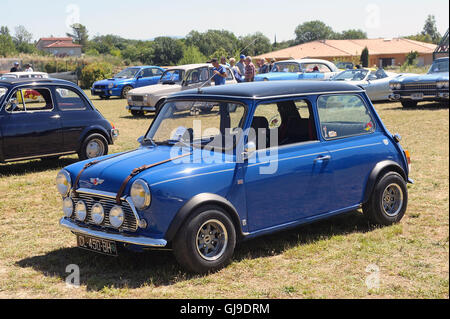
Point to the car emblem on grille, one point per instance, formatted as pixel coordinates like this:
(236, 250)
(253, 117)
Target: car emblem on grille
(97, 181)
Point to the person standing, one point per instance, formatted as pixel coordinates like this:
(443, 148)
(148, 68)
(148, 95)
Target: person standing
(241, 64)
(250, 70)
(28, 68)
(263, 66)
(15, 68)
(235, 69)
(220, 74)
(223, 61)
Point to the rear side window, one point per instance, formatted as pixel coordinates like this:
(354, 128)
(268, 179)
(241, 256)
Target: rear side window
(30, 100)
(343, 116)
(69, 100)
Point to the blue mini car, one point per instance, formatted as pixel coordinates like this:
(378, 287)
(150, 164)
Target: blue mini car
(265, 157)
(433, 86)
(49, 118)
(128, 79)
(304, 69)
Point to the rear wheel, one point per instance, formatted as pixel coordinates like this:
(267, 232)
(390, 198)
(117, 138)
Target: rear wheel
(388, 202)
(137, 113)
(409, 103)
(94, 145)
(104, 97)
(206, 241)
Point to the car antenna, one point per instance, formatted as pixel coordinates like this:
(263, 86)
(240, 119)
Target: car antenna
(199, 90)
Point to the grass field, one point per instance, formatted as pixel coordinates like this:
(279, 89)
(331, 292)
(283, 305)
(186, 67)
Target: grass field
(328, 259)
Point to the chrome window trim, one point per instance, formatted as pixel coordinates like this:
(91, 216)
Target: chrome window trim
(17, 88)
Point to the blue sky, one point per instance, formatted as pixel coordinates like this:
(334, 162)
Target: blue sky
(145, 19)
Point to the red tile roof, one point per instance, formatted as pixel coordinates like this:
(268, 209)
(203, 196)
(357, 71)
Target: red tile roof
(347, 48)
(63, 44)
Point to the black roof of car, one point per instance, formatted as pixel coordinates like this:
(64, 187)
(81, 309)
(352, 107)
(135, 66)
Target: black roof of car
(258, 90)
(12, 81)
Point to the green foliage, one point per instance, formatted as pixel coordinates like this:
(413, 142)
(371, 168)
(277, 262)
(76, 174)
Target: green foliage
(350, 34)
(365, 57)
(192, 55)
(430, 29)
(7, 46)
(218, 54)
(92, 52)
(411, 58)
(79, 35)
(212, 40)
(420, 37)
(311, 31)
(166, 51)
(95, 72)
(254, 44)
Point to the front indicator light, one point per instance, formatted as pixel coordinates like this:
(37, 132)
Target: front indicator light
(408, 159)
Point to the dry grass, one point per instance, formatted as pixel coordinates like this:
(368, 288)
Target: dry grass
(327, 259)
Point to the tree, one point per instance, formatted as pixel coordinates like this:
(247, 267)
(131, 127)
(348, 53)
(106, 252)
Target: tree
(212, 40)
(22, 40)
(411, 58)
(166, 51)
(254, 44)
(430, 29)
(365, 57)
(192, 55)
(311, 31)
(7, 46)
(350, 34)
(80, 35)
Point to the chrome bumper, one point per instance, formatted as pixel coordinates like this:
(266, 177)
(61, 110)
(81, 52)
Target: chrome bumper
(132, 240)
(141, 108)
(398, 97)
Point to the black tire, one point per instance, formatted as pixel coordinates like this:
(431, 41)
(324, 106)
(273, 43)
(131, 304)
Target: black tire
(103, 97)
(389, 200)
(192, 235)
(409, 103)
(137, 113)
(125, 91)
(97, 138)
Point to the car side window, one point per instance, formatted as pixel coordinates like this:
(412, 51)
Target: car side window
(69, 100)
(146, 73)
(30, 100)
(283, 123)
(157, 72)
(343, 115)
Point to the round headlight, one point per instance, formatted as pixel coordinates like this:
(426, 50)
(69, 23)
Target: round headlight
(80, 211)
(110, 85)
(439, 84)
(445, 84)
(98, 213)
(68, 207)
(63, 182)
(140, 194)
(398, 86)
(116, 216)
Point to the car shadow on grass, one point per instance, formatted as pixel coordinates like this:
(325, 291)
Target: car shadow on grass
(433, 106)
(159, 268)
(34, 166)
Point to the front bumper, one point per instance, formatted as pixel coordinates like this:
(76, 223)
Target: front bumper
(107, 92)
(397, 96)
(141, 108)
(121, 238)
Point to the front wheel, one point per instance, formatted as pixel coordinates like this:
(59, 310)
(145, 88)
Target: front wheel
(206, 241)
(95, 145)
(388, 202)
(125, 91)
(137, 113)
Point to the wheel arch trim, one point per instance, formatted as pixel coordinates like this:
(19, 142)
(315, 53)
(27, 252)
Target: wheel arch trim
(200, 200)
(377, 172)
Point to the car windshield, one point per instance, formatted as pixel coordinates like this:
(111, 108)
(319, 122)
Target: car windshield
(212, 124)
(439, 66)
(286, 67)
(351, 75)
(127, 73)
(172, 76)
(344, 65)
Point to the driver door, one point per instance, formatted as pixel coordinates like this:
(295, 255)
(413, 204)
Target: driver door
(149, 76)
(196, 78)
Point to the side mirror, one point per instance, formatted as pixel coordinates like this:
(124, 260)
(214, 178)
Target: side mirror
(249, 150)
(139, 77)
(397, 137)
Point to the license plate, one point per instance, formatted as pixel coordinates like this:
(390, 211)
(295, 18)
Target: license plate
(417, 96)
(97, 245)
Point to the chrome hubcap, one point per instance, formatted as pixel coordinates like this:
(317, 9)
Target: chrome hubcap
(212, 240)
(392, 200)
(95, 148)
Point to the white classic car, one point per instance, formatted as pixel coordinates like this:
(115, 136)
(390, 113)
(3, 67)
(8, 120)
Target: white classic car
(376, 83)
(184, 77)
(25, 75)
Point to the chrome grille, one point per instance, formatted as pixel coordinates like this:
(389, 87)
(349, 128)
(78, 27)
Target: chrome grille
(420, 86)
(130, 222)
(137, 98)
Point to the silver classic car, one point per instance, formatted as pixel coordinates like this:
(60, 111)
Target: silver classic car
(150, 98)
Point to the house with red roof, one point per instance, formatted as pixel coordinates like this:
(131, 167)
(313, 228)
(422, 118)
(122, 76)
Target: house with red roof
(382, 52)
(59, 46)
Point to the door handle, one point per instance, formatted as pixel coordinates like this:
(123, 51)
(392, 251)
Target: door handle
(56, 117)
(322, 158)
